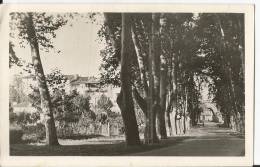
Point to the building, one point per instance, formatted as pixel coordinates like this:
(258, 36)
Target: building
(210, 112)
(206, 115)
(86, 86)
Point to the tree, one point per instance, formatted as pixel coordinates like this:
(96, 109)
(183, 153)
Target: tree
(174, 55)
(164, 56)
(51, 136)
(112, 32)
(125, 100)
(223, 46)
(104, 105)
(38, 29)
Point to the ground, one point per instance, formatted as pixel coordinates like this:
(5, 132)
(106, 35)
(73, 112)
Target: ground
(204, 141)
(209, 140)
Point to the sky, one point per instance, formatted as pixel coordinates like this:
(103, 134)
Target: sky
(79, 45)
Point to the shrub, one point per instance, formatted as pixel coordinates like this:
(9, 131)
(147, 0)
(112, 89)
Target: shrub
(34, 133)
(15, 135)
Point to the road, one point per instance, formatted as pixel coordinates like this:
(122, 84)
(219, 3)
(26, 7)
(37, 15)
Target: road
(209, 140)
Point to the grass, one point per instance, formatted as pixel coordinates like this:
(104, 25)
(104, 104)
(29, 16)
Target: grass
(88, 149)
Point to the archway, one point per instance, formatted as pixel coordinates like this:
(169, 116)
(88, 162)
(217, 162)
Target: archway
(210, 112)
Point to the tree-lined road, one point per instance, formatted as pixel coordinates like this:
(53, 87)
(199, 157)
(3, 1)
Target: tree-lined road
(204, 141)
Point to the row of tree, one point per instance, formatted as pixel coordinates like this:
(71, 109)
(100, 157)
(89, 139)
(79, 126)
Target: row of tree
(165, 58)
(159, 60)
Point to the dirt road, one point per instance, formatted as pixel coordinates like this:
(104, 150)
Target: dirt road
(209, 140)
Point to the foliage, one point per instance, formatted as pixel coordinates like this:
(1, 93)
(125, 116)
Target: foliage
(104, 106)
(56, 80)
(111, 33)
(222, 37)
(45, 26)
(74, 106)
(197, 49)
(24, 118)
(13, 59)
(34, 133)
(16, 90)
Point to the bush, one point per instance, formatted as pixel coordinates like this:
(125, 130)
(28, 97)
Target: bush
(15, 135)
(34, 133)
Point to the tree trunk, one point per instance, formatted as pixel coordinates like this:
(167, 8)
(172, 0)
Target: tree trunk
(125, 99)
(46, 106)
(140, 58)
(154, 82)
(176, 123)
(227, 120)
(168, 120)
(185, 110)
(111, 32)
(142, 103)
(163, 74)
(163, 94)
(170, 106)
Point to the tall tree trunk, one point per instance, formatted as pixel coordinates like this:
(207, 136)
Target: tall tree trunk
(156, 66)
(233, 97)
(141, 55)
(163, 74)
(177, 78)
(168, 120)
(163, 94)
(125, 99)
(154, 82)
(170, 106)
(142, 102)
(172, 87)
(46, 106)
(185, 110)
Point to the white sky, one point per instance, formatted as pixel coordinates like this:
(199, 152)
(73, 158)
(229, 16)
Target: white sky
(79, 45)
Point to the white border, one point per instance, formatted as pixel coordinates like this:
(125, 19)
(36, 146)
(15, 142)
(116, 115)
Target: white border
(129, 161)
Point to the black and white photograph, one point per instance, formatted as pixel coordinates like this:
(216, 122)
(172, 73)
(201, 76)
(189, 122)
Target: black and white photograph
(128, 84)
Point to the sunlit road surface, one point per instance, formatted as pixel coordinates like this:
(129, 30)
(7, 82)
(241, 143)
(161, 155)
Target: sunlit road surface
(209, 140)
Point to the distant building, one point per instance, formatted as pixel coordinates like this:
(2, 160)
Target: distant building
(210, 112)
(86, 86)
(206, 115)
(92, 87)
